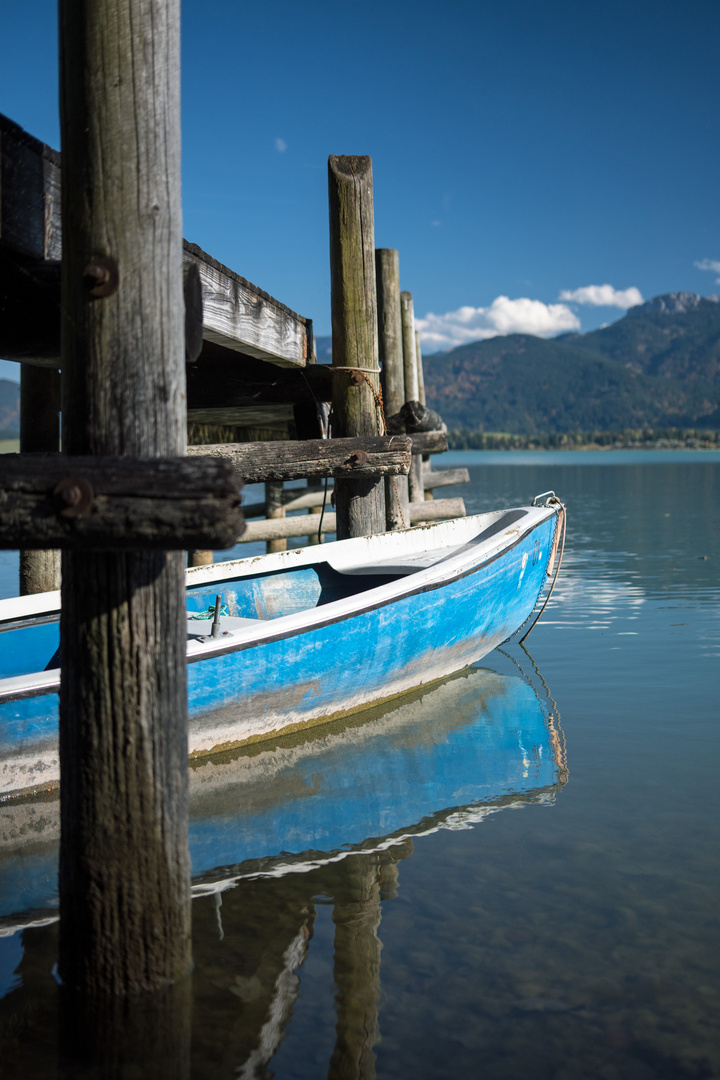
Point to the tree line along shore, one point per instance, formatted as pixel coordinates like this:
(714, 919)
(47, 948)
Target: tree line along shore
(628, 439)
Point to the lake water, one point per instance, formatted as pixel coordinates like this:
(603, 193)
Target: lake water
(518, 911)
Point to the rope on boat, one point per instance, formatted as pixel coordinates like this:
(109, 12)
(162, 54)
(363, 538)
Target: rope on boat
(562, 523)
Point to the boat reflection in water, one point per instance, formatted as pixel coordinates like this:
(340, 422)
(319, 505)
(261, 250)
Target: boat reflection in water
(326, 817)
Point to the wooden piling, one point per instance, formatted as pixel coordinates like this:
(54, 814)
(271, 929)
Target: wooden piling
(39, 433)
(390, 349)
(124, 866)
(420, 373)
(360, 503)
(415, 484)
(408, 338)
(275, 508)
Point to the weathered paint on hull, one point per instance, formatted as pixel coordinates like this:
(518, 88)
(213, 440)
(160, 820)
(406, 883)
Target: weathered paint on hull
(370, 656)
(336, 660)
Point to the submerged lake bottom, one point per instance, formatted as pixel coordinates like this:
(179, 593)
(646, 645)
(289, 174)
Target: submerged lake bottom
(513, 874)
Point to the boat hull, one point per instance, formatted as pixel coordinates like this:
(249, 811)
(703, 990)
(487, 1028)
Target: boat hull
(318, 663)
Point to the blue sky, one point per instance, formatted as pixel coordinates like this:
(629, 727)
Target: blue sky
(521, 151)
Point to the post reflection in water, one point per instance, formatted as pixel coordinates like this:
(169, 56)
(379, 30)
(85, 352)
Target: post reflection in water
(323, 818)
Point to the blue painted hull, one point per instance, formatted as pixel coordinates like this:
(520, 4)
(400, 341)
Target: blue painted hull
(444, 758)
(312, 642)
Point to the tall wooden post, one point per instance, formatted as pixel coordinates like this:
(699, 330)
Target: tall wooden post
(390, 348)
(124, 866)
(420, 372)
(39, 434)
(415, 481)
(360, 504)
(408, 336)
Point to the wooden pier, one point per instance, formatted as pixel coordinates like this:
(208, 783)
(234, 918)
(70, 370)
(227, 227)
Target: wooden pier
(112, 331)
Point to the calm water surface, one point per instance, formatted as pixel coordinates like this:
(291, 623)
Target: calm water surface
(567, 930)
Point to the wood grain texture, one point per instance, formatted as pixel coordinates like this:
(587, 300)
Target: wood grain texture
(137, 503)
(407, 316)
(429, 442)
(397, 502)
(443, 477)
(242, 317)
(29, 193)
(353, 301)
(124, 864)
(39, 433)
(420, 372)
(390, 348)
(256, 462)
(282, 529)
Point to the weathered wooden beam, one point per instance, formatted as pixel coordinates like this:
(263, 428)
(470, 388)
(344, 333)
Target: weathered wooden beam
(118, 504)
(30, 310)
(279, 529)
(429, 442)
(444, 477)
(124, 877)
(242, 317)
(436, 510)
(353, 303)
(361, 458)
(237, 313)
(306, 501)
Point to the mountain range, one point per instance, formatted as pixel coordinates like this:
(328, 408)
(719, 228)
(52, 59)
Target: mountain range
(658, 366)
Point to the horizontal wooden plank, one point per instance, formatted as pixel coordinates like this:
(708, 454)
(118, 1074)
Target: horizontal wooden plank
(382, 455)
(429, 442)
(284, 528)
(118, 503)
(237, 313)
(308, 524)
(240, 316)
(444, 478)
(436, 510)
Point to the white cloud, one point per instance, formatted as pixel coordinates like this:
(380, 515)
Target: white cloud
(280, 146)
(603, 296)
(713, 265)
(504, 316)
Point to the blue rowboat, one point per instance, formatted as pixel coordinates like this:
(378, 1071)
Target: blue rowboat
(443, 758)
(309, 635)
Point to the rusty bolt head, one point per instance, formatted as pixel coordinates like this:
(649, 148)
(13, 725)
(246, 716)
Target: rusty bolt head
(101, 276)
(358, 457)
(356, 378)
(75, 495)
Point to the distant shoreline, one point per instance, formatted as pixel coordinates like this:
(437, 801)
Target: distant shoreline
(631, 439)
